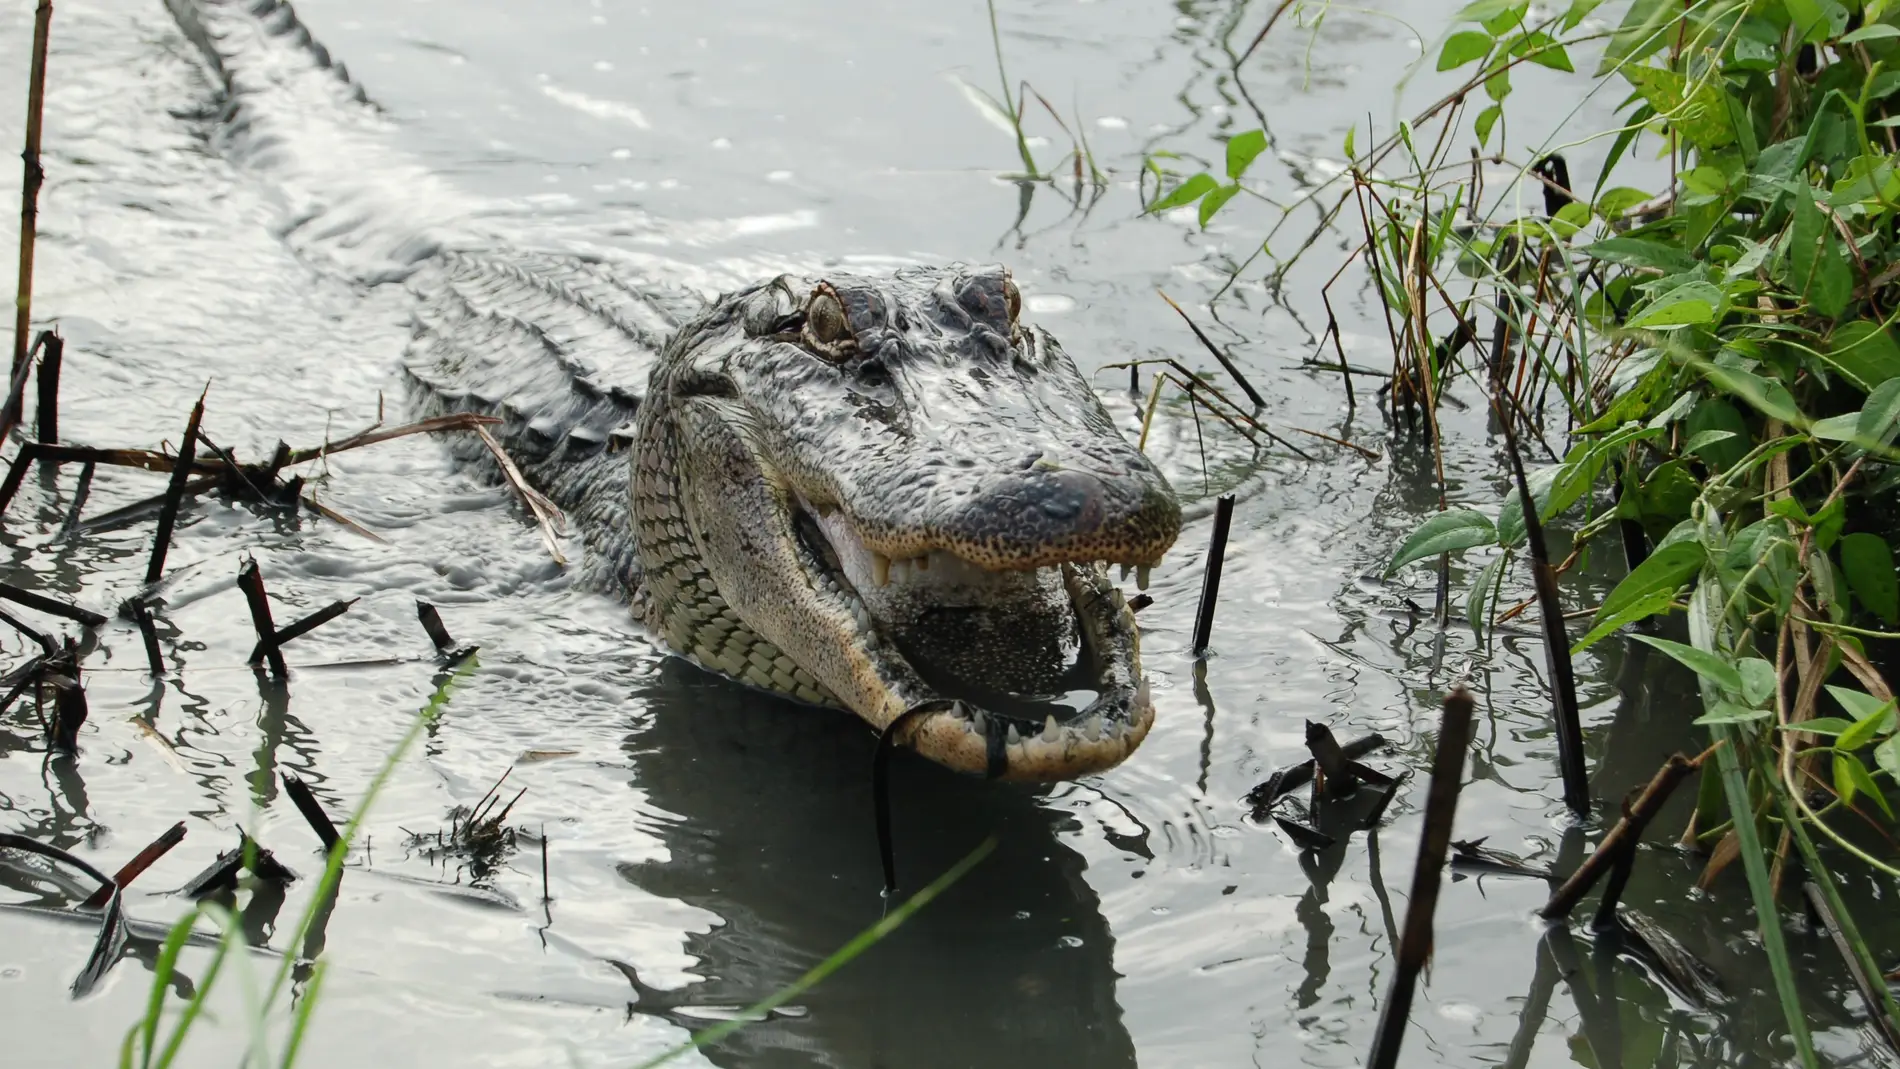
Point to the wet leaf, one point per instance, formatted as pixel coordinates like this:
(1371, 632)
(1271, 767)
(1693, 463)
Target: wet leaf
(1758, 679)
(1577, 12)
(1511, 514)
(1868, 562)
(1701, 662)
(1445, 532)
(1463, 47)
(1685, 306)
(1242, 150)
(1187, 192)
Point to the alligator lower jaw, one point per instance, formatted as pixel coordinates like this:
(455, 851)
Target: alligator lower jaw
(1012, 738)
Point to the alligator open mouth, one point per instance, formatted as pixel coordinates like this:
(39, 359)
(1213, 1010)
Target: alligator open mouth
(1030, 672)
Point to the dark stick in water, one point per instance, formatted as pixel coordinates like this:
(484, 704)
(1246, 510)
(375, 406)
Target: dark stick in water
(1415, 941)
(80, 493)
(142, 616)
(1622, 839)
(312, 811)
(1563, 682)
(46, 417)
(301, 627)
(30, 181)
(50, 606)
(141, 861)
(175, 492)
(1210, 579)
(251, 581)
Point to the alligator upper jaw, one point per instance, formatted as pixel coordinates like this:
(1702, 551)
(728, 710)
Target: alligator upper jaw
(1024, 730)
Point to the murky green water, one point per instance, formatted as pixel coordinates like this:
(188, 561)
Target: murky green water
(705, 840)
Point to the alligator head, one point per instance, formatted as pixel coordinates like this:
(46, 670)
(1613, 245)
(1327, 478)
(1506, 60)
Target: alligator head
(889, 494)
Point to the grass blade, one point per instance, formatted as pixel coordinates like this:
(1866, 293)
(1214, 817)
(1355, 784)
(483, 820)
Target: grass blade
(839, 959)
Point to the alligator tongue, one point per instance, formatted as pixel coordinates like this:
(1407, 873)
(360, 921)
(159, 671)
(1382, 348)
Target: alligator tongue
(1027, 661)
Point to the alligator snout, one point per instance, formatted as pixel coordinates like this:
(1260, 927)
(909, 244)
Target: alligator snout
(1051, 514)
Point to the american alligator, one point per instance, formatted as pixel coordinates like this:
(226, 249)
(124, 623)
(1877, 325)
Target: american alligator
(882, 493)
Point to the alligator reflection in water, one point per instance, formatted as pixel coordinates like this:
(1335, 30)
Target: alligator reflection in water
(773, 833)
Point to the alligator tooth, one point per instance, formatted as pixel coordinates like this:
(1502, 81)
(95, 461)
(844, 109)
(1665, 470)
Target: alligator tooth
(1092, 728)
(880, 569)
(1051, 731)
(1141, 577)
(1124, 575)
(1011, 735)
(981, 722)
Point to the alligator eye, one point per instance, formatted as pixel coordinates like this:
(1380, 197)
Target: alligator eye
(825, 323)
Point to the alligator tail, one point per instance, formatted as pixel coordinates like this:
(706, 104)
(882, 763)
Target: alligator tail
(557, 346)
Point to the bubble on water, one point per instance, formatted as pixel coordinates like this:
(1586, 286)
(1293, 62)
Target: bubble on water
(1070, 941)
(1049, 303)
(1111, 122)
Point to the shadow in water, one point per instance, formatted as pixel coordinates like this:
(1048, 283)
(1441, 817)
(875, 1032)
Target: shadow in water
(771, 829)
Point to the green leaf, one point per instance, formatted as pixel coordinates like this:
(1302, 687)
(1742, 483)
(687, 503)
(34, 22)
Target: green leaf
(1768, 396)
(1647, 27)
(1701, 662)
(1242, 149)
(1714, 413)
(1186, 193)
(1577, 12)
(1820, 725)
(1693, 109)
(1727, 712)
(1888, 756)
(1483, 593)
(1638, 252)
(1497, 85)
(1880, 416)
(1511, 512)
(1612, 203)
(1486, 119)
(1852, 779)
(1684, 306)
(1868, 562)
(1861, 350)
(1540, 49)
(1879, 31)
(1485, 10)
(1351, 132)
(1872, 717)
(1758, 679)
(1462, 48)
(1648, 605)
(1833, 283)
(1662, 572)
(1507, 20)
(1213, 201)
(1705, 438)
(1837, 428)
(1453, 529)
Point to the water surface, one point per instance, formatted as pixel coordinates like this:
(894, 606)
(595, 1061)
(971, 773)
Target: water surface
(706, 844)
